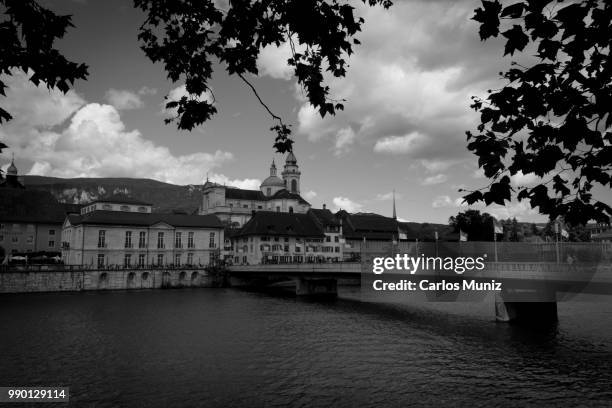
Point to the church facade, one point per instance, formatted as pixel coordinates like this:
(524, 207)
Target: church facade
(235, 206)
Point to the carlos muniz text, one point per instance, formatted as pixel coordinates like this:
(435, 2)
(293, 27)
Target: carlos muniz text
(403, 263)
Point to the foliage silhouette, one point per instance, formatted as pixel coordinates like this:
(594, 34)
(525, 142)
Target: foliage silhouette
(551, 119)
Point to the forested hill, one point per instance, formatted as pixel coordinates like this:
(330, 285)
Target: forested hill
(164, 197)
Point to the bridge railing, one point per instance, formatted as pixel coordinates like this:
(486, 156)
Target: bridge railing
(588, 252)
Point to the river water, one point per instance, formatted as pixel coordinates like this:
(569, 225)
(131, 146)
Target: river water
(228, 347)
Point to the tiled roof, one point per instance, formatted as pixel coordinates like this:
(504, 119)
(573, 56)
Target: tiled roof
(325, 217)
(145, 219)
(280, 194)
(30, 206)
(372, 226)
(241, 194)
(281, 224)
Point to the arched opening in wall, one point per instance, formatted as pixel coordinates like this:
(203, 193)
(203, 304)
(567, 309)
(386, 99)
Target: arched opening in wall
(103, 280)
(290, 210)
(145, 276)
(131, 278)
(166, 280)
(182, 277)
(294, 186)
(194, 278)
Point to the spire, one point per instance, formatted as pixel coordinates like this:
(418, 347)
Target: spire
(12, 169)
(273, 169)
(394, 213)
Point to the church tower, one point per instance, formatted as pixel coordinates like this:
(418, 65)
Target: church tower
(291, 174)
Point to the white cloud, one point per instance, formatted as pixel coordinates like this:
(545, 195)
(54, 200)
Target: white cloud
(524, 180)
(437, 179)
(247, 184)
(64, 136)
(309, 195)
(411, 97)
(343, 203)
(344, 139)
(272, 61)
(145, 90)
(123, 99)
(400, 144)
(442, 201)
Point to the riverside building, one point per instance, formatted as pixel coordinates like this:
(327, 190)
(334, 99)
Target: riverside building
(124, 232)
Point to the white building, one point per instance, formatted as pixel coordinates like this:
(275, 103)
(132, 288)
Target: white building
(124, 232)
(235, 206)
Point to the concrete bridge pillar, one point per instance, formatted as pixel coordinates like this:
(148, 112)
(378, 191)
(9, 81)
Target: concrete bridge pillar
(316, 287)
(526, 310)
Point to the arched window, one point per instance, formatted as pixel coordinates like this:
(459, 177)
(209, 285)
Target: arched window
(294, 186)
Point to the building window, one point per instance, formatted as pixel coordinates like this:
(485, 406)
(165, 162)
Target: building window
(1, 226)
(127, 260)
(177, 259)
(101, 239)
(290, 210)
(29, 239)
(336, 249)
(15, 239)
(141, 259)
(328, 239)
(190, 258)
(298, 249)
(268, 191)
(1, 238)
(259, 207)
(294, 186)
(107, 207)
(190, 240)
(51, 244)
(100, 260)
(211, 240)
(142, 209)
(124, 208)
(51, 232)
(160, 239)
(336, 239)
(178, 243)
(142, 239)
(277, 209)
(160, 259)
(128, 239)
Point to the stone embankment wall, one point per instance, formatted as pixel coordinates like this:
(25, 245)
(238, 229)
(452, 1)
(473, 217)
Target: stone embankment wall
(23, 281)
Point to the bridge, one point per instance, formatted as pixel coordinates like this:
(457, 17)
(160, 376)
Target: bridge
(529, 290)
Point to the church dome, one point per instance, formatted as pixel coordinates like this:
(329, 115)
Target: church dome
(273, 181)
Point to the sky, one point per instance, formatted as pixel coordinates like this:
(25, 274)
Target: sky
(407, 92)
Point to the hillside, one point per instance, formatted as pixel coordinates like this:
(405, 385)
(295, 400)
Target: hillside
(164, 197)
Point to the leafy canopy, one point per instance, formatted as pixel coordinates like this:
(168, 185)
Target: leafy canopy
(190, 36)
(551, 119)
(27, 36)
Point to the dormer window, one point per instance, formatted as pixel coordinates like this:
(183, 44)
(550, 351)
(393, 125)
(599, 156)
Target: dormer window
(107, 207)
(142, 209)
(124, 208)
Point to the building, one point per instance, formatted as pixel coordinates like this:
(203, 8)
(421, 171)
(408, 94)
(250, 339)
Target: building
(12, 177)
(31, 221)
(124, 232)
(280, 237)
(235, 206)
